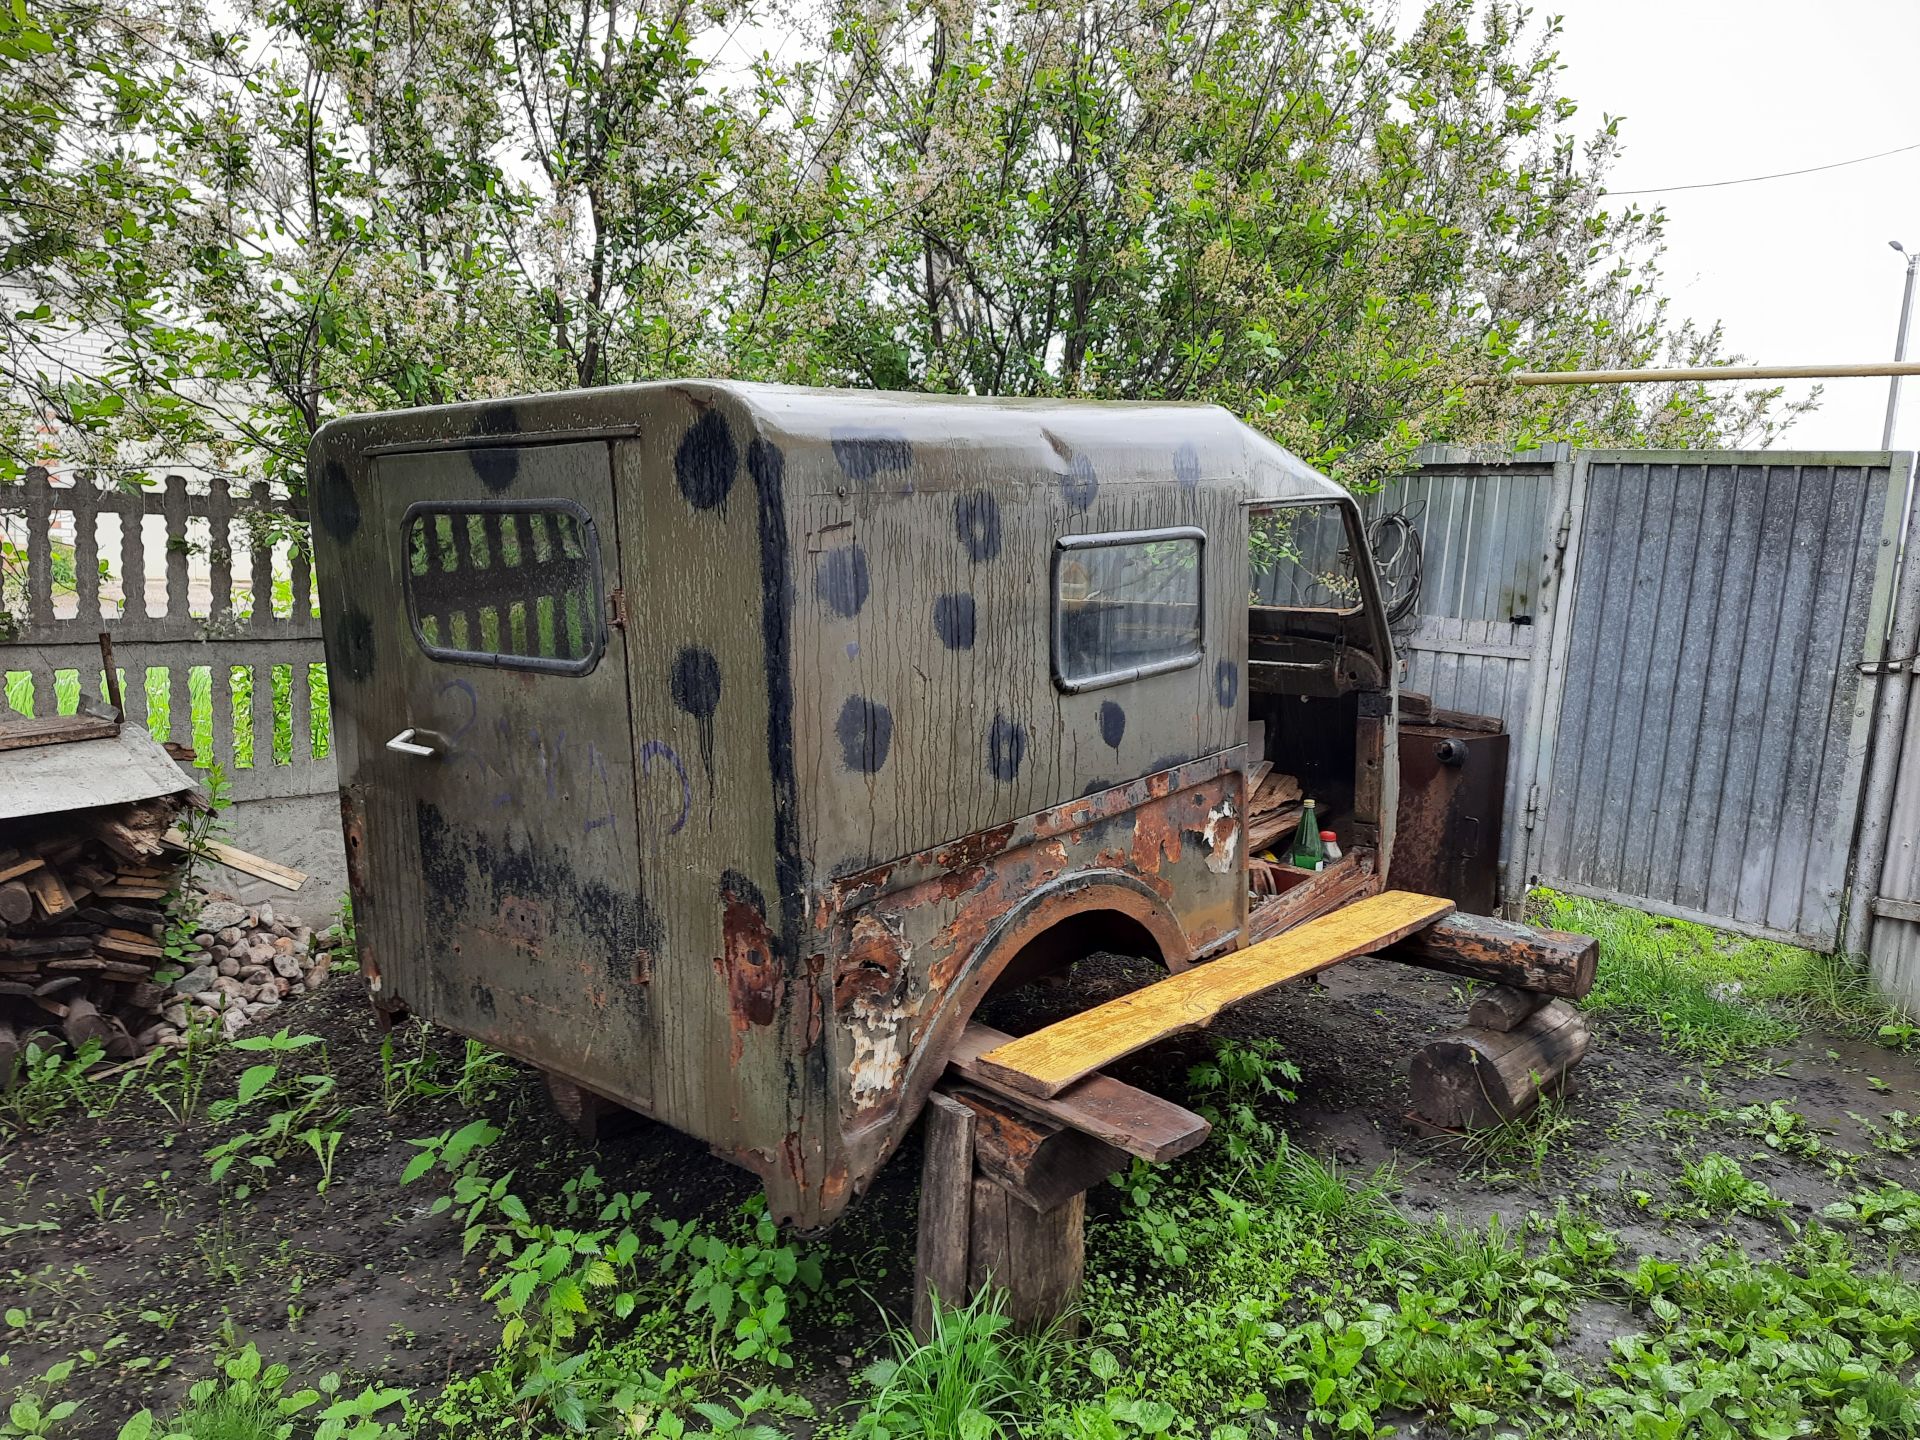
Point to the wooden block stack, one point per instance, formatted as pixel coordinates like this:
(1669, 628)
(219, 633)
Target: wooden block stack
(82, 897)
(1274, 803)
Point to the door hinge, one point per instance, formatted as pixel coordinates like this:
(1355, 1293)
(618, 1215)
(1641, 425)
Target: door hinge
(1564, 530)
(617, 608)
(1533, 803)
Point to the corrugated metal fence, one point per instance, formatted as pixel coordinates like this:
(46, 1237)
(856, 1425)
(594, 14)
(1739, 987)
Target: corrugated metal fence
(1676, 642)
(1705, 743)
(1890, 828)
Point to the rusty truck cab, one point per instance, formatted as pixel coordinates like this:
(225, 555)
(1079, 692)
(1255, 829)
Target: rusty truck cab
(718, 747)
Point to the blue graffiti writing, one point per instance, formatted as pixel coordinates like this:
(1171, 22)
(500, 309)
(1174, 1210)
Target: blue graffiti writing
(660, 750)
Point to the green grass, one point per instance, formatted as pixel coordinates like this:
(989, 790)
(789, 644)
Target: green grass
(971, 1375)
(198, 722)
(1711, 995)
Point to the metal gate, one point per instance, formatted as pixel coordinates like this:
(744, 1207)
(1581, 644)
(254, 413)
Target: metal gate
(1704, 718)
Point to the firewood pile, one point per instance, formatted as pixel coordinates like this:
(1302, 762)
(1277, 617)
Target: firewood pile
(82, 916)
(1274, 803)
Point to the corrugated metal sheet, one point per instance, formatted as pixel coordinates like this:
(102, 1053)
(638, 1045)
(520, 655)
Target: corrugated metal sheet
(1488, 533)
(1707, 750)
(1890, 833)
(1488, 526)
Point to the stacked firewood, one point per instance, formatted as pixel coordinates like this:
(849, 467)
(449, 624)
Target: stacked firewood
(82, 915)
(1274, 802)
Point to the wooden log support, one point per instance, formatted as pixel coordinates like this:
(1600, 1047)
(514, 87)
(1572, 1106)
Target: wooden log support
(1480, 1077)
(946, 1211)
(1003, 1204)
(1036, 1258)
(1482, 948)
(589, 1114)
(1039, 1162)
(1503, 1007)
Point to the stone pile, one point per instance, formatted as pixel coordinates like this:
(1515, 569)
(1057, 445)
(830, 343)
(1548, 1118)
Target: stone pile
(251, 960)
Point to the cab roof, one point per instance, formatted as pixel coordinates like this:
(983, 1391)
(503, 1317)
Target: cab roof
(895, 440)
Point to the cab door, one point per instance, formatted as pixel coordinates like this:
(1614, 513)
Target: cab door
(499, 795)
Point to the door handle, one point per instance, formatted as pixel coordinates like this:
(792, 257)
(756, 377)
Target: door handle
(404, 744)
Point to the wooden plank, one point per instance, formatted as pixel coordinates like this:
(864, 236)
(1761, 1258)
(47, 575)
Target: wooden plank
(1350, 878)
(24, 732)
(1554, 962)
(946, 1203)
(285, 876)
(1131, 1119)
(1049, 1060)
(132, 890)
(20, 866)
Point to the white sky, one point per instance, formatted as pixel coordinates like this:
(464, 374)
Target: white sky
(1798, 270)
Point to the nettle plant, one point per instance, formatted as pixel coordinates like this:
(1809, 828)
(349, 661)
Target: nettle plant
(744, 1287)
(283, 1111)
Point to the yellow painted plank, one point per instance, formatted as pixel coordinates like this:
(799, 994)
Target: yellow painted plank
(1049, 1060)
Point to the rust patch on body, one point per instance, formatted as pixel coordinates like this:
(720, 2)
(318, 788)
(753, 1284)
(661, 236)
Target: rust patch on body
(871, 997)
(972, 850)
(754, 983)
(523, 921)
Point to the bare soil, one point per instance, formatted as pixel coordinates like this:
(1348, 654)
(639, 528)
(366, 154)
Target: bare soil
(150, 1261)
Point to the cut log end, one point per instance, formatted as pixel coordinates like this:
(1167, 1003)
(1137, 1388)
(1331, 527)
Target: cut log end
(1479, 1077)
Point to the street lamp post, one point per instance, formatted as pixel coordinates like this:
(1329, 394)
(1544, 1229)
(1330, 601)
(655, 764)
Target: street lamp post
(1899, 346)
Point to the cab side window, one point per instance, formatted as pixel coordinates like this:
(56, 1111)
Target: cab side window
(1125, 605)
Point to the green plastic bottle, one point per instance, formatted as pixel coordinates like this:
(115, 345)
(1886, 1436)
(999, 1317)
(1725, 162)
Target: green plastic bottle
(1309, 850)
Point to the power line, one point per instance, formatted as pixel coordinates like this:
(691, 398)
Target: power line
(1777, 175)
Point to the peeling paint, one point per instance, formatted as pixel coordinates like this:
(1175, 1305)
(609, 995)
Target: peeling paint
(1223, 838)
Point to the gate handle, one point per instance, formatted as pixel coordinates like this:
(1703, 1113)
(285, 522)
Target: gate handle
(403, 743)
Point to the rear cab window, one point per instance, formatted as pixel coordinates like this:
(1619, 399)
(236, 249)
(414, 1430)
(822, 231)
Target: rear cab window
(514, 584)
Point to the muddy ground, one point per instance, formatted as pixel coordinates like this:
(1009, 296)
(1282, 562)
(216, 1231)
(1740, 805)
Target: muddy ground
(113, 1241)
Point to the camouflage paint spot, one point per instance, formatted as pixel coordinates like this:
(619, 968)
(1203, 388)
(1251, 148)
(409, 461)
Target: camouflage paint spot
(1186, 465)
(336, 504)
(696, 682)
(976, 517)
(1006, 748)
(865, 729)
(1226, 683)
(853, 649)
(695, 685)
(1113, 723)
(864, 454)
(1080, 484)
(954, 620)
(704, 464)
(842, 581)
(497, 468)
(353, 644)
